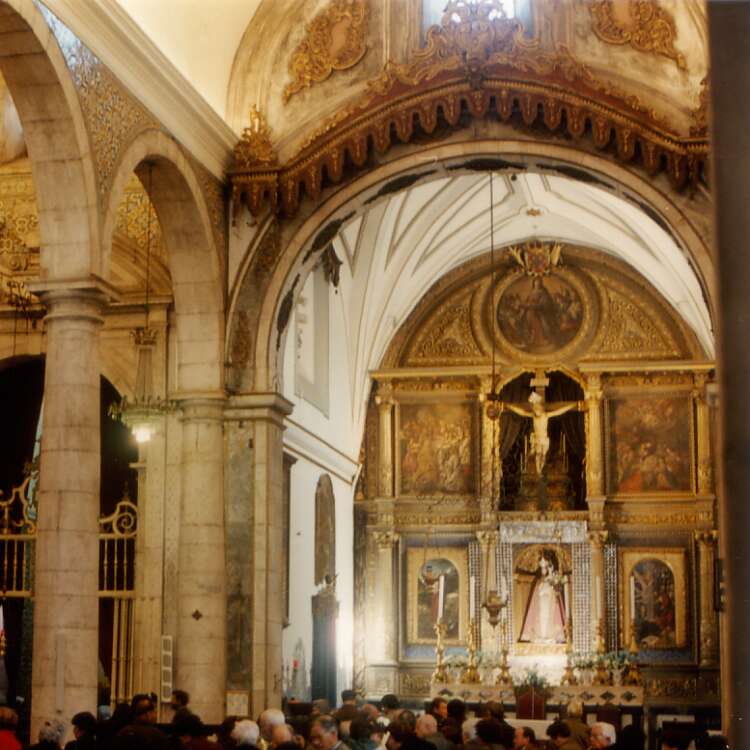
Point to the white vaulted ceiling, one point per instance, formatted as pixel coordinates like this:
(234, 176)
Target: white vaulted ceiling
(400, 246)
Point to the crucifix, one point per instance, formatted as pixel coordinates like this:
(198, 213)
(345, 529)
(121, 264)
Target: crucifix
(540, 412)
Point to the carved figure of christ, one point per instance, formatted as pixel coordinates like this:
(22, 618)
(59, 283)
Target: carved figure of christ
(540, 416)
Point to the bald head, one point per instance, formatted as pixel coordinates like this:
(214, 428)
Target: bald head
(426, 726)
(281, 733)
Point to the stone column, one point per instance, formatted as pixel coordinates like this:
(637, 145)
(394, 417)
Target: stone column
(597, 540)
(384, 400)
(200, 649)
(66, 581)
(703, 436)
(261, 417)
(709, 635)
(729, 27)
(385, 577)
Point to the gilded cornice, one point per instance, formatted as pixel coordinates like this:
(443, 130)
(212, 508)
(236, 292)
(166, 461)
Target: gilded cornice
(322, 51)
(473, 67)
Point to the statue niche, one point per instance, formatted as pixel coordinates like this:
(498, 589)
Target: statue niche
(534, 476)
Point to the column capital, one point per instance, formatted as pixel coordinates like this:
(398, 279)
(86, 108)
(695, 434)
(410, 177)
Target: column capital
(705, 537)
(71, 299)
(598, 538)
(386, 539)
(270, 406)
(487, 538)
(203, 408)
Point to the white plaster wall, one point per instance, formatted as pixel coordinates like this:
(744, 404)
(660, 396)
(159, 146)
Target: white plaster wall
(304, 480)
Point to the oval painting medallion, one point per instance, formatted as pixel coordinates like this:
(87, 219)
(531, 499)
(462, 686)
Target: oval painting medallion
(540, 315)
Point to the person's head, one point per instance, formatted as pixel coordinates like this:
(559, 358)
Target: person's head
(347, 712)
(575, 709)
(558, 732)
(84, 724)
(469, 730)
(348, 697)
(602, 735)
(439, 708)
(245, 733)
(359, 729)
(523, 737)
(370, 710)
(426, 726)
(457, 709)
(674, 741)
(8, 718)
(632, 738)
(52, 731)
(409, 718)
(178, 700)
(188, 726)
(270, 718)
(398, 734)
(493, 710)
(324, 733)
(280, 734)
(144, 711)
(490, 731)
(389, 703)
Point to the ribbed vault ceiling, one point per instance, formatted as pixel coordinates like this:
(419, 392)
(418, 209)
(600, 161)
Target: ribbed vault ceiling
(401, 245)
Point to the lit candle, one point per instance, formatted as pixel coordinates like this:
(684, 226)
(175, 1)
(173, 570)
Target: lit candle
(441, 597)
(632, 597)
(598, 598)
(472, 601)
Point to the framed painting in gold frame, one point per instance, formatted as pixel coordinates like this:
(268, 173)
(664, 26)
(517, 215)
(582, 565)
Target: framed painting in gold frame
(653, 597)
(649, 443)
(424, 569)
(436, 447)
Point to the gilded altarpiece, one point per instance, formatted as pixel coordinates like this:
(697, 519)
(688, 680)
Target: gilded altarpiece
(463, 478)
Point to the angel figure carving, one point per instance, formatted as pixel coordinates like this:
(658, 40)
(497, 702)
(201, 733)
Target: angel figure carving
(540, 416)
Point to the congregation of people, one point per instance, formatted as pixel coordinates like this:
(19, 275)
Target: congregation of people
(445, 725)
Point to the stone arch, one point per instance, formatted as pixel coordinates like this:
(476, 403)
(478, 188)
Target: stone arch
(56, 139)
(299, 238)
(194, 260)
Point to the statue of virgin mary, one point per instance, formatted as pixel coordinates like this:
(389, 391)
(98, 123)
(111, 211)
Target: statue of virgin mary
(544, 618)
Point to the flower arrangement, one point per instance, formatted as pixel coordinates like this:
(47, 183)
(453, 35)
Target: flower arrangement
(531, 678)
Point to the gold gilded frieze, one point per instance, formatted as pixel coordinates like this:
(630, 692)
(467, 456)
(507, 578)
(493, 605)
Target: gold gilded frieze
(474, 65)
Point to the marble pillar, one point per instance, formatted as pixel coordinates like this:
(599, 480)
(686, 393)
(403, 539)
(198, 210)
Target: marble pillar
(709, 636)
(200, 648)
(729, 30)
(260, 416)
(66, 582)
(597, 539)
(386, 543)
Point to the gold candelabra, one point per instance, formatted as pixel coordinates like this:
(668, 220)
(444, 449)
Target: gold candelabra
(601, 676)
(470, 674)
(569, 675)
(440, 674)
(632, 674)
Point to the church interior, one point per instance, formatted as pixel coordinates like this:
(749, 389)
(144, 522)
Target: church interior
(392, 345)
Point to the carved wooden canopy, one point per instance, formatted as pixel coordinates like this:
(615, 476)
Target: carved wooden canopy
(477, 64)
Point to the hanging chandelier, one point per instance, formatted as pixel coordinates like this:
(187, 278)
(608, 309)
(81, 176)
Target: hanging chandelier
(142, 414)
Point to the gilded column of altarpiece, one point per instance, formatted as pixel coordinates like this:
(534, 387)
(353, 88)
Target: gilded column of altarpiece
(593, 338)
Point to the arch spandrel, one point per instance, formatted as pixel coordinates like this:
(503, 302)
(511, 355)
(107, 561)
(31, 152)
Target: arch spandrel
(35, 70)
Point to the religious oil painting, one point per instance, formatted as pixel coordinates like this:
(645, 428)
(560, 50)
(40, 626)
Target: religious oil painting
(540, 315)
(436, 454)
(426, 570)
(653, 594)
(650, 445)
(541, 597)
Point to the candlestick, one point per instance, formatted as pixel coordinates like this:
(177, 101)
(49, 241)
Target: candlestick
(470, 675)
(440, 675)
